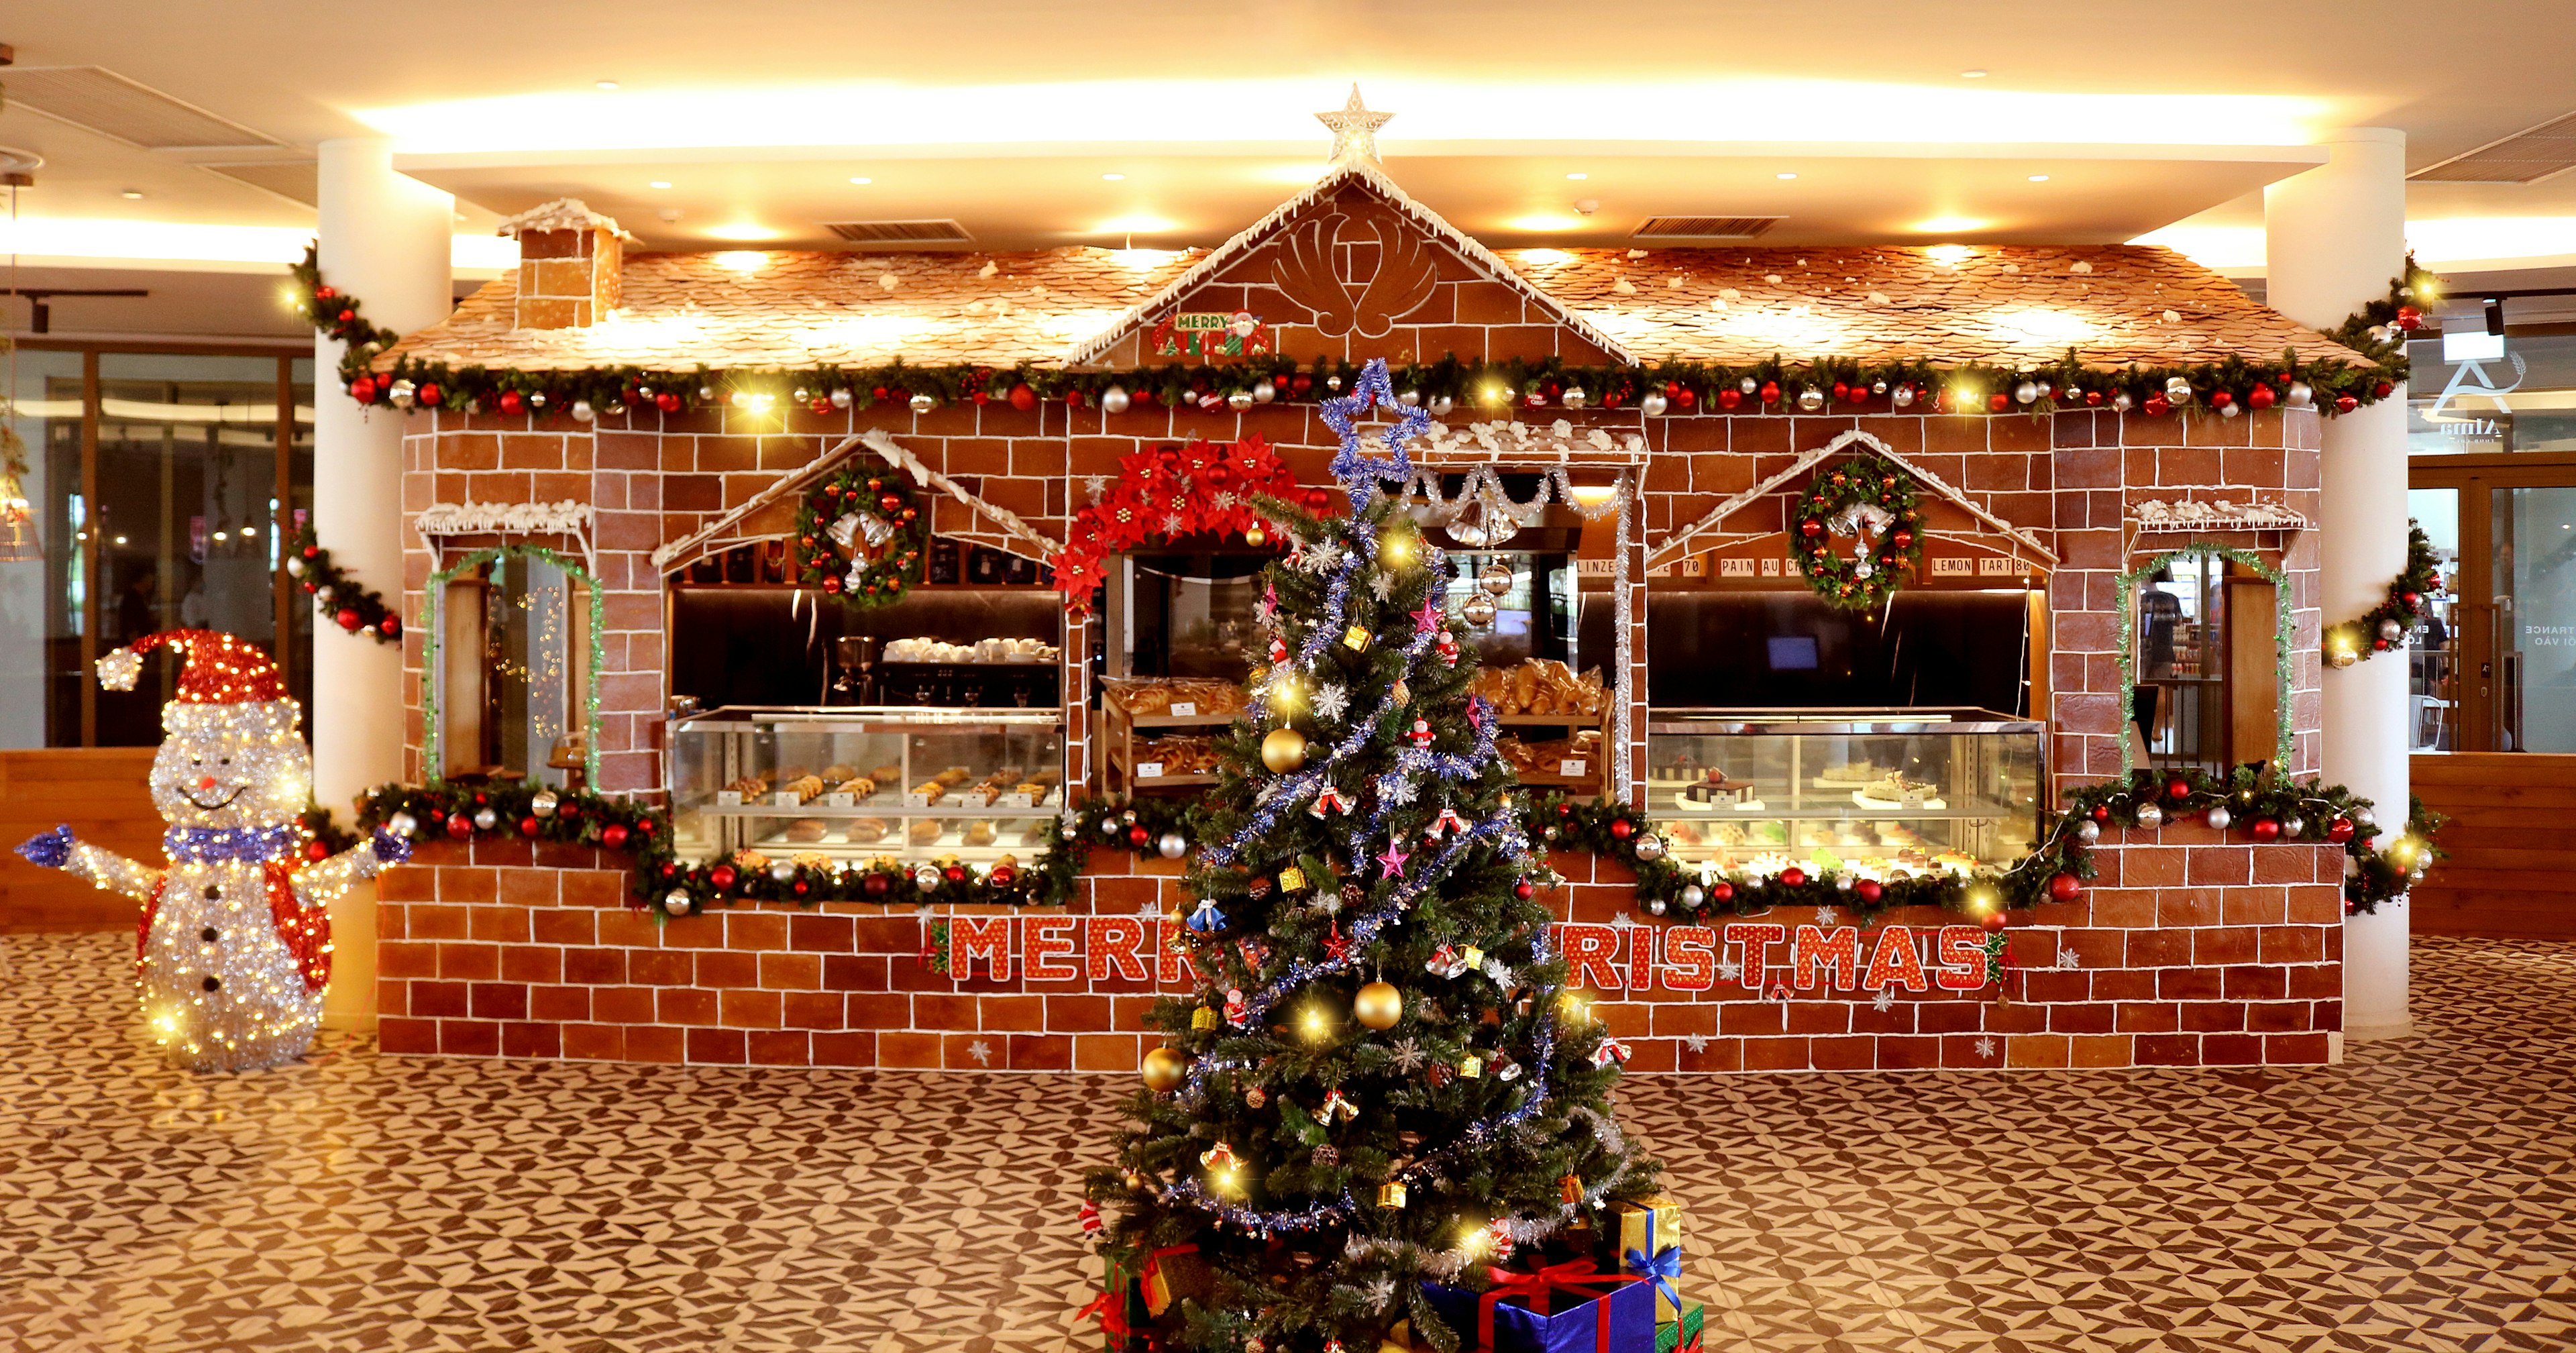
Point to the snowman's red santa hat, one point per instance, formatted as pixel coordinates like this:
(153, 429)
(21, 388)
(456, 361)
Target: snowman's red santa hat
(220, 669)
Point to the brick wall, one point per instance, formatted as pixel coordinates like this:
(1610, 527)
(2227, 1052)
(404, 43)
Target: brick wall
(2188, 951)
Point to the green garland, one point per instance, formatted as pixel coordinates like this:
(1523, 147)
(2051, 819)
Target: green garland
(527, 812)
(1862, 481)
(2056, 869)
(2383, 627)
(2379, 329)
(352, 605)
(882, 499)
(1835, 384)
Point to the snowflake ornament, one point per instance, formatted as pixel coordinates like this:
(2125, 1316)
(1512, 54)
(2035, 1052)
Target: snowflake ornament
(1730, 970)
(1383, 586)
(981, 1051)
(1331, 701)
(1408, 1055)
(1986, 1047)
(2068, 958)
(1695, 1042)
(1396, 789)
(1884, 1001)
(1827, 916)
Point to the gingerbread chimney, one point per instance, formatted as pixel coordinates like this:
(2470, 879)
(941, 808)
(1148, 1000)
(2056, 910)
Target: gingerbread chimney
(570, 262)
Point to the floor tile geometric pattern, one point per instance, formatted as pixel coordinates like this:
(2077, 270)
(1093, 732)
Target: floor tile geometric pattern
(2421, 1196)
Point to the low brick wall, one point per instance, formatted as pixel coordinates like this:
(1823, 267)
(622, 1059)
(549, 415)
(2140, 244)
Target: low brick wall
(2188, 950)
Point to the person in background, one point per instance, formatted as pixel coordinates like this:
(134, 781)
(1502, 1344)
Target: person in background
(138, 606)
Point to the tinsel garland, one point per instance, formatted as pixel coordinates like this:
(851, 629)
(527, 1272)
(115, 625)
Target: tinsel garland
(2297, 812)
(1775, 385)
(2383, 627)
(1835, 504)
(352, 605)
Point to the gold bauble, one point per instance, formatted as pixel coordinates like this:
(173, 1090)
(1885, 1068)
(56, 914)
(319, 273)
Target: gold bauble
(1378, 1005)
(1284, 750)
(1165, 1070)
(1255, 537)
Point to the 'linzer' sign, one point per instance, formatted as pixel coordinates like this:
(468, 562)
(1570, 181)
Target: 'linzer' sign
(1768, 957)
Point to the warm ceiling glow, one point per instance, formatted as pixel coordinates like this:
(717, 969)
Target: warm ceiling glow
(661, 183)
(1113, 178)
(1784, 177)
(2211, 246)
(185, 242)
(1543, 221)
(863, 182)
(2467, 237)
(742, 230)
(1578, 177)
(2039, 178)
(1546, 257)
(608, 84)
(1139, 224)
(742, 260)
(1278, 111)
(1978, 74)
(1950, 255)
(2055, 327)
(1949, 225)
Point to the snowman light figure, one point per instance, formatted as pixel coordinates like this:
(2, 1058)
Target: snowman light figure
(233, 948)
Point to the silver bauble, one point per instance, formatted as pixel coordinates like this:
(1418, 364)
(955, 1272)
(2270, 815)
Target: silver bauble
(1748, 385)
(1172, 846)
(2219, 817)
(1239, 401)
(678, 902)
(1113, 400)
(1442, 406)
(1263, 392)
(543, 803)
(1409, 398)
(1692, 896)
(295, 566)
(841, 399)
(1333, 383)
(2088, 831)
(486, 820)
(537, 399)
(1495, 578)
(403, 394)
(1811, 399)
(2391, 631)
(1573, 397)
(1655, 906)
(2230, 411)
(2301, 395)
(924, 403)
(1650, 847)
(1878, 387)
(2292, 824)
(2365, 818)
(926, 878)
(2177, 391)
(2121, 403)
(1903, 398)
(1842, 883)
(2026, 393)
(1654, 404)
(582, 412)
(2337, 657)
(1477, 611)
(402, 824)
(782, 871)
(2150, 816)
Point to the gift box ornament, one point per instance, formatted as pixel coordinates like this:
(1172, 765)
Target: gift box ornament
(1120, 1309)
(1645, 1236)
(1556, 1308)
(1683, 1335)
(1171, 1273)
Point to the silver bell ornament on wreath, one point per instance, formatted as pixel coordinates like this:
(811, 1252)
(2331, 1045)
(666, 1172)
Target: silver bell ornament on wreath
(1495, 578)
(924, 403)
(1650, 847)
(1478, 611)
(1172, 846)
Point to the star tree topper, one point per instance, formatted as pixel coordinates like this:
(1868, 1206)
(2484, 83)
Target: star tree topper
(1354, 129)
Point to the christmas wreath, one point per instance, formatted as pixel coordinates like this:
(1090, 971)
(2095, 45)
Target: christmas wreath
(862, 534)
(1867, 498)
(2383, 627)
(1174, 491)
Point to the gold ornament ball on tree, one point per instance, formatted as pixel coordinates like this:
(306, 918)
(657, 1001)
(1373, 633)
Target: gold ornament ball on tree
(1284, 750)
(1378, 1005)
(1164, 1070)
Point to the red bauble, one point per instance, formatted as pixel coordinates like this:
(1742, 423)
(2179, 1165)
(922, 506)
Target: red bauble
(722, 876)
(430, 395)
(1998, 402)
(1687, 397)
(2266, 829)
(873, 885)
(528, 826)
(613, 836)
(2093, 399)
(1869, 890)
(460, 826)
(312, 551)
(2410, 600)
(819, 404)
(2409, 318)
(2260, 397)
(1137, 836)
(889, 503)
(1003, 874)
(1811, 528)
(325, 293)
(2065, 887)
(2346, 404)
(1994, 920)
(2383, 389)
(1770, 392)
(1217, 475)
(1565, 810)
(2220, 399)
(955, 873)
(347, 315)
(1318, 499)
(363, 390)
(2157, 406)
(2177, 788)
(391, 627)
(1023, 398)
(1728, 399)
(1793, 876)
(1902, 540)
(315, 850)
(2101, 812)
(801, 888)
(348, 619)
(1721, 891)
(1621, 828)
(511, 402)
(1841, 390)
(1524, 890)
(2340, 830)
(667, 402)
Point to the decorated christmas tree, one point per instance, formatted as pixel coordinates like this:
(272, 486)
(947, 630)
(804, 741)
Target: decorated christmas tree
(1381, 1091)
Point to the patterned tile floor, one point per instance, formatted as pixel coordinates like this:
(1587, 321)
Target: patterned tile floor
(2421, 1197)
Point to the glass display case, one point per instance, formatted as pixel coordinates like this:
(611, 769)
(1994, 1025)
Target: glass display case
(852, 784)
(1885, 793)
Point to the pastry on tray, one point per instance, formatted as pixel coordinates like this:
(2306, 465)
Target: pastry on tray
(805, 788)
(837, 773)
(982, 833)
(857, 787)
(1715, 787)
(886, 774)
(806, 830)
(931, 791)
(865, 831)
(923, 831)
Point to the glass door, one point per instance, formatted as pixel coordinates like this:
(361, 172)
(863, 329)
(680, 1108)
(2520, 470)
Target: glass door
(2493, 669)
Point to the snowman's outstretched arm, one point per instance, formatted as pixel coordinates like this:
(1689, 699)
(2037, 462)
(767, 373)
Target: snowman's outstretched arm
(316, 884)
(103, 868)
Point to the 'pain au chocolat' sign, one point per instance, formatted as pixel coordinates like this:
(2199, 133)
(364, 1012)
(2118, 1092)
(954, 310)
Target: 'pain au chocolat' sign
(1771, 958)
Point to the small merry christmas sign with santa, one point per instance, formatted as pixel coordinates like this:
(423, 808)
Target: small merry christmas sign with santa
(233, 947)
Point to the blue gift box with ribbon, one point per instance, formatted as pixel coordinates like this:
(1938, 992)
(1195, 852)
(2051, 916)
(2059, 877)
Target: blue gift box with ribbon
(1557, 1308)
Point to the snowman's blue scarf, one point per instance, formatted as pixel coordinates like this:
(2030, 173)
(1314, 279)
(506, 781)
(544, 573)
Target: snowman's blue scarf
(203, 845)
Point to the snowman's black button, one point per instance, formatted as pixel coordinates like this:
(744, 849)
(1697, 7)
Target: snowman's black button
(213, 982)
(213, 892)
(210, 934)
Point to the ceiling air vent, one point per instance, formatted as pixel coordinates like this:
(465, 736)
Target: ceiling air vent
(900, 232)
(111, 105)
(2527, 156)
(1706, 227)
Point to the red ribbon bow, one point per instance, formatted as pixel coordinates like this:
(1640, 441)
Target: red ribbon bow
(1110, 1312)
(1574, 1275)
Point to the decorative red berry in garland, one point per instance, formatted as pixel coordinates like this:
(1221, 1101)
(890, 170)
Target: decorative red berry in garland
(722, 876)
(1793, 876)
(2065, 887)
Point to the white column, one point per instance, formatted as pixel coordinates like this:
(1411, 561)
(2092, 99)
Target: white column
(2334, 236)
(384, 240)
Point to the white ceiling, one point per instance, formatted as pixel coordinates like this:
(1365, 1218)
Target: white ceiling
(1006, 116)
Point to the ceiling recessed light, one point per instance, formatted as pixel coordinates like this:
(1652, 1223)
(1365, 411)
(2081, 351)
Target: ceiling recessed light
(1784, 176)
(2039, 178)
(1977, 74)
(1112, 178)
(661, 183)
(863, 182)
(1578, 177)
(608, 84)
(132, 194)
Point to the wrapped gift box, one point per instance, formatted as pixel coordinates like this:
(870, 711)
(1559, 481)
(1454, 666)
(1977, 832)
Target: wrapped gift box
(1171, 1273)
(1121, 1311)
(1561, 1308)
(1647, 1226)
(1683, 1335)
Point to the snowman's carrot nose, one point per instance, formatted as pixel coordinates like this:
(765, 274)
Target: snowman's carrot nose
(205, 782)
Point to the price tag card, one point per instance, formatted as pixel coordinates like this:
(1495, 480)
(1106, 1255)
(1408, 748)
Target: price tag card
(787, 798)
(728, 798)
(1570, 766)
(1017, 801)
(840, 800)
(1183, 709)
(916, 800)
(1914, 797)
(1147, 770)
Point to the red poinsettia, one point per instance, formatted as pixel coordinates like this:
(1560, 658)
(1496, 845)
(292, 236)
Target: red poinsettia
(1168, 492)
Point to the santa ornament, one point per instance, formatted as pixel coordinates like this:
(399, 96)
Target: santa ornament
(233, 948)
